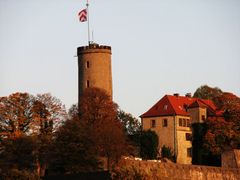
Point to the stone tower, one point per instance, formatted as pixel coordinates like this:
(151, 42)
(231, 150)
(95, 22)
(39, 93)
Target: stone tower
(94, 68)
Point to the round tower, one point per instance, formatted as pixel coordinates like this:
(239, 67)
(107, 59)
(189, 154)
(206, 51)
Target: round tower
(94, 68)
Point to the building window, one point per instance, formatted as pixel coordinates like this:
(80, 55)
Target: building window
(184, 123)
(188, 123)
(189, 152)
(88, 84)
(188, 136)
(87, 64)
(165, 123)
(153, 123)
(203, 117)
(180, 122)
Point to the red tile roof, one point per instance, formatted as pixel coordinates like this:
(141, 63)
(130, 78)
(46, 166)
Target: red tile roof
(177, 105)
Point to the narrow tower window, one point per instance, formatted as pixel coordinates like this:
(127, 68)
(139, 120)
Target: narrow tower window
(87, 64)
(88, 84)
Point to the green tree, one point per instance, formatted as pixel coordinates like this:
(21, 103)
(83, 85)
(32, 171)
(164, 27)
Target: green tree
(132, 129)
(206, 92)
(168, 153)
(149, 145)
(131, 124)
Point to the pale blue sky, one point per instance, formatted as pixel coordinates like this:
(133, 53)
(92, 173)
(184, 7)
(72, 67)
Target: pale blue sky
(159, 47)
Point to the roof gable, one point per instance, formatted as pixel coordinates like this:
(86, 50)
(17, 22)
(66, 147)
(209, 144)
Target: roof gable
(162, 107)
(177, 105)
(169, 105)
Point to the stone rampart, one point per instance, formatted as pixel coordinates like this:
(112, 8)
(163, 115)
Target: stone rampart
(132, 169)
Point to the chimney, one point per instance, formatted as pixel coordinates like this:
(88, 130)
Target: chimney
(189, 95)
(176, 94)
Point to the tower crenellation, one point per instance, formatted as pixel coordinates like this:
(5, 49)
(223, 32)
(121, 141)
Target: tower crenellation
(93, 46)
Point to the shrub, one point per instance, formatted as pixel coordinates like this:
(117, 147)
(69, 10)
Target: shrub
(167, 152)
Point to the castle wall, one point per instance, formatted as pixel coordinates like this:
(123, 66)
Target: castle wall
(130, 169)
(231, 158)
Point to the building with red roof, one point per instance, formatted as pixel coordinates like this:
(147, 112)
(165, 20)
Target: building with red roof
(171, 118)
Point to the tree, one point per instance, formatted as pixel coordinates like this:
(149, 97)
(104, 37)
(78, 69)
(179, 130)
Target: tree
(222, 131)
(168, 153)
(131, 124)
(73, 111)
(132, 129)
(16, 115)
(73, 149)
(56, 111)
(50, 113)
(22, 114)
(149, 145)
(19, 153)
(202, 154)
(98, 111)
(206, 92)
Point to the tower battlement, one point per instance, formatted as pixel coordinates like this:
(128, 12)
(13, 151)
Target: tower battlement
(93, 48)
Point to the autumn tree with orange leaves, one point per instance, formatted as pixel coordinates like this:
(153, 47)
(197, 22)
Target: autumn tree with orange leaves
(222, 132)
(91, 133)
(100, 114)
(17, 116)
(22, 115)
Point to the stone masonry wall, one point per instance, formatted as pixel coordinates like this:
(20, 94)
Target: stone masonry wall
(231, 159)
(132, 169)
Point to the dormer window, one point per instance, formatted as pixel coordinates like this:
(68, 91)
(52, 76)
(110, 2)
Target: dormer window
(165, 107)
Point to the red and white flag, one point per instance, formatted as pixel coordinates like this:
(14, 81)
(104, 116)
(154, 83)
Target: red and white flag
(83, 15)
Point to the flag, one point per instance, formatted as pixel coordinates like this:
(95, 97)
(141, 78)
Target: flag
(83, 15)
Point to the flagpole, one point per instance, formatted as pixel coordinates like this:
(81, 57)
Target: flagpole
(88, 20)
